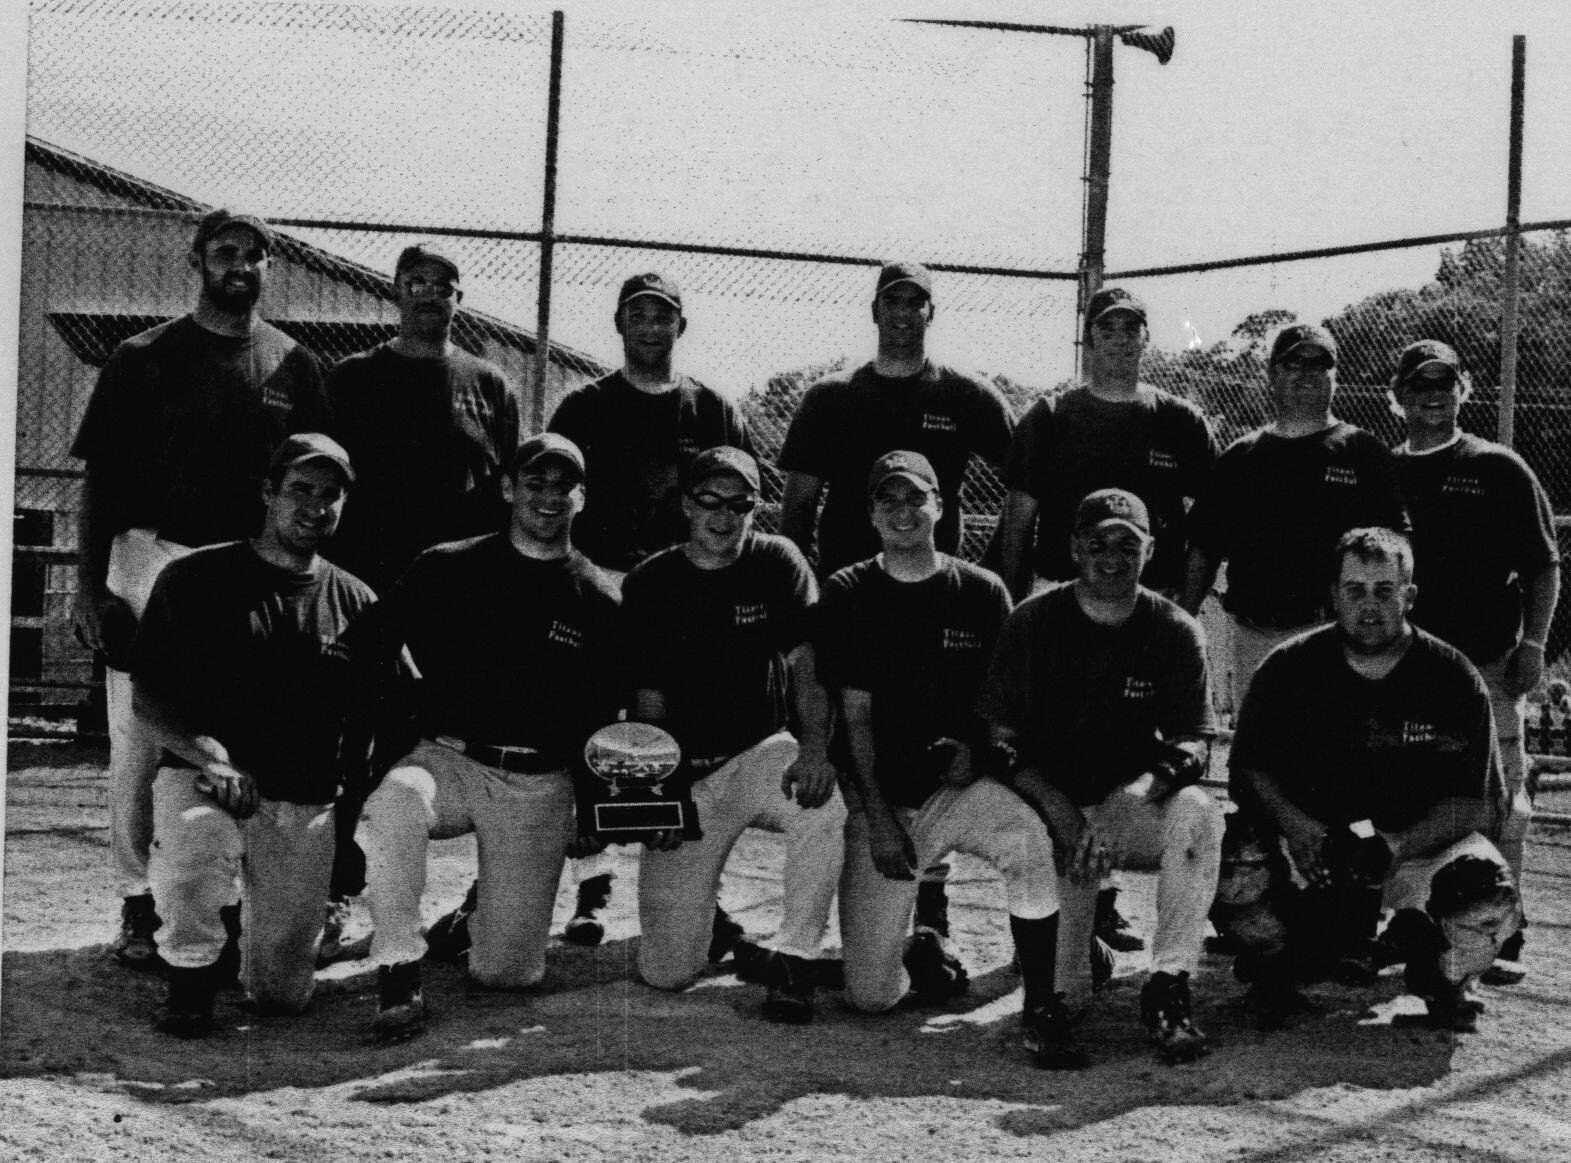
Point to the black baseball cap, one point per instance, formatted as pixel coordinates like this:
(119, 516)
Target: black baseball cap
(911, 465)
(1425, 353)
(548, 445)
(1112, 507)
(1114, 299)
(426, 252)
(217, 220)
(308, 446)
(1296, 335)
(650, 283)
(723, 458)
(892, 274)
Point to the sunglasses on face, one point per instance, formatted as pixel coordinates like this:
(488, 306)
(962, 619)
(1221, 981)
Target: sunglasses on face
(714, 502)
(419, 287)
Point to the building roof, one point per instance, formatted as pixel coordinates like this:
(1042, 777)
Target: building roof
(148, 195)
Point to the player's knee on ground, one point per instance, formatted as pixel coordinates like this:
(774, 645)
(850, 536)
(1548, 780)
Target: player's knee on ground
(664, 970)
(875, 992)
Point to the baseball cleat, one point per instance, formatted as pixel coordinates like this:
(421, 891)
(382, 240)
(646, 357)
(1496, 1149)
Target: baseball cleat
(1165, 1010)
(1454, 1008)
(584, 928)
(1051, 1039)
(1113, 927)
(226, 969)
(932, 907)
(1102, 964)
(448, 938)
(135, 947)
(335, 919)
(1508, 968)
(723, 936)
(789, 999)
(936, 974)
(401, 1009)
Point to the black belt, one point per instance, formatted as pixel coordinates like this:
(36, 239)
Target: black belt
(522, 760)
(1281, 618)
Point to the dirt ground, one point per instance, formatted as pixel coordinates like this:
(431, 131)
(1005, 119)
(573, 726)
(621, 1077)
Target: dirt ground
(597, 1066)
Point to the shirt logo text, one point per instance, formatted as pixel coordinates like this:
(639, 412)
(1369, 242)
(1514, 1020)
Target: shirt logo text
(961, 639)
(938, 422)
(564, 635)
(1337, 475)
(751, 613)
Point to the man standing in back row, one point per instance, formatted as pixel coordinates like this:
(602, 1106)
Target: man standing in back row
(1487, 567)
(177, 438)
(1278, 500)
(901, 400)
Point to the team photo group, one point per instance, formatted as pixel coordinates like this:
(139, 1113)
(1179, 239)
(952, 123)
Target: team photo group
(345, 612)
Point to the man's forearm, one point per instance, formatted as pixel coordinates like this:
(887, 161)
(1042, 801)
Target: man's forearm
(173, 734)
(798, 509)
(93, 539)
(1199, 573)
(1017, 523)
(1539, 595)
(1444, 824)
(811, 700)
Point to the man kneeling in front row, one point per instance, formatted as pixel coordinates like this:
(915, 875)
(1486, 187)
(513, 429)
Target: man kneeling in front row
(1364, 767)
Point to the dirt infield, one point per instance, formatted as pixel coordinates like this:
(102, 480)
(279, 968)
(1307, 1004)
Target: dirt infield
(597, 1066)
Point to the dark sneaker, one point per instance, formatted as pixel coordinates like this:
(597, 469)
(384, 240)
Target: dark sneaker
(789, 999)
(936, 974)
(1165, 1010)
(1454, 1007)
(400, 1011)
(1223, 945)
(1113, 927)
(1051, 1039)
(723, 936)
(335, 920)
(134, 947)
(584, 928)
(1508, 968)
(754, 963)
(188, 1010)
(448, 938)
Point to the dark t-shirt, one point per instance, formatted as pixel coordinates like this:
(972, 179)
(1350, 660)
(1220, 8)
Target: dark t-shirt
(1274, 508)
(183, 422)
(846, 422)
(1090, 702)
(920, 650)
(1481, 521)
(510, 650)
(1157, 446)
(713, 641)
(1344, 748)
(636, 445)
(260, 658)
(430, 440)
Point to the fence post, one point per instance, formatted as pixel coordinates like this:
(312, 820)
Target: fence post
(1509, 288)
(1099, 153)
(547, 230)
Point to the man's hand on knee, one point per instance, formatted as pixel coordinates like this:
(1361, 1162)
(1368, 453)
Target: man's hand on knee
(232, 789)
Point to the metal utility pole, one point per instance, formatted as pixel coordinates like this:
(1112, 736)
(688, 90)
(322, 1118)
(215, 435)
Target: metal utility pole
(547, 231)
(1508, 307)
(1099, 131)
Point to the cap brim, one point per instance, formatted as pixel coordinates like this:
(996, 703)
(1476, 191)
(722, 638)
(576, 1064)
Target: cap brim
(917, 283)
(664, 298)
(1106, 522)
(1137, 312)
(341, 465)
(552, 454)
(1439, 363)
(1309, 343)
(906, 475)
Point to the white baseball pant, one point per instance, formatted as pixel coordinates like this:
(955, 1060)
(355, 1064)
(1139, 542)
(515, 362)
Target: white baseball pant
(1474, 937)
(1181, 840)
(522, 824)
(676, 890)
(984, 819)
(136, 558)
(278, 863)
(1518, 808)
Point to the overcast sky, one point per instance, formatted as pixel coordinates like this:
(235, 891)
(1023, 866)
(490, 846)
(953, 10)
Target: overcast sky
(1275, 127)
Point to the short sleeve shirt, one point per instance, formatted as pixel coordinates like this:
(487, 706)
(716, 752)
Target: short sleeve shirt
(920, 650)
(713, 642)
(430, 440)
(846, 422)
(183, 422)
(260, 658)
(1274, 508)
(1481, 522)
(1156, 446)
(636, 445)
(1090, 703)
(1344, 748)
(510, 650)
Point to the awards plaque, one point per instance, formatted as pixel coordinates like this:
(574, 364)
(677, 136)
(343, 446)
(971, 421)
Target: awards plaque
(635, 759)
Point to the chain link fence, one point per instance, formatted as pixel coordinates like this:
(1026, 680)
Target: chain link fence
(142, 115)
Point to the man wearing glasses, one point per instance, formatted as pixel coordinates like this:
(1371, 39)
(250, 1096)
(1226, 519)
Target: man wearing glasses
(1488, 567)
(430, 428)
(713, 627)
(1279, 498)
